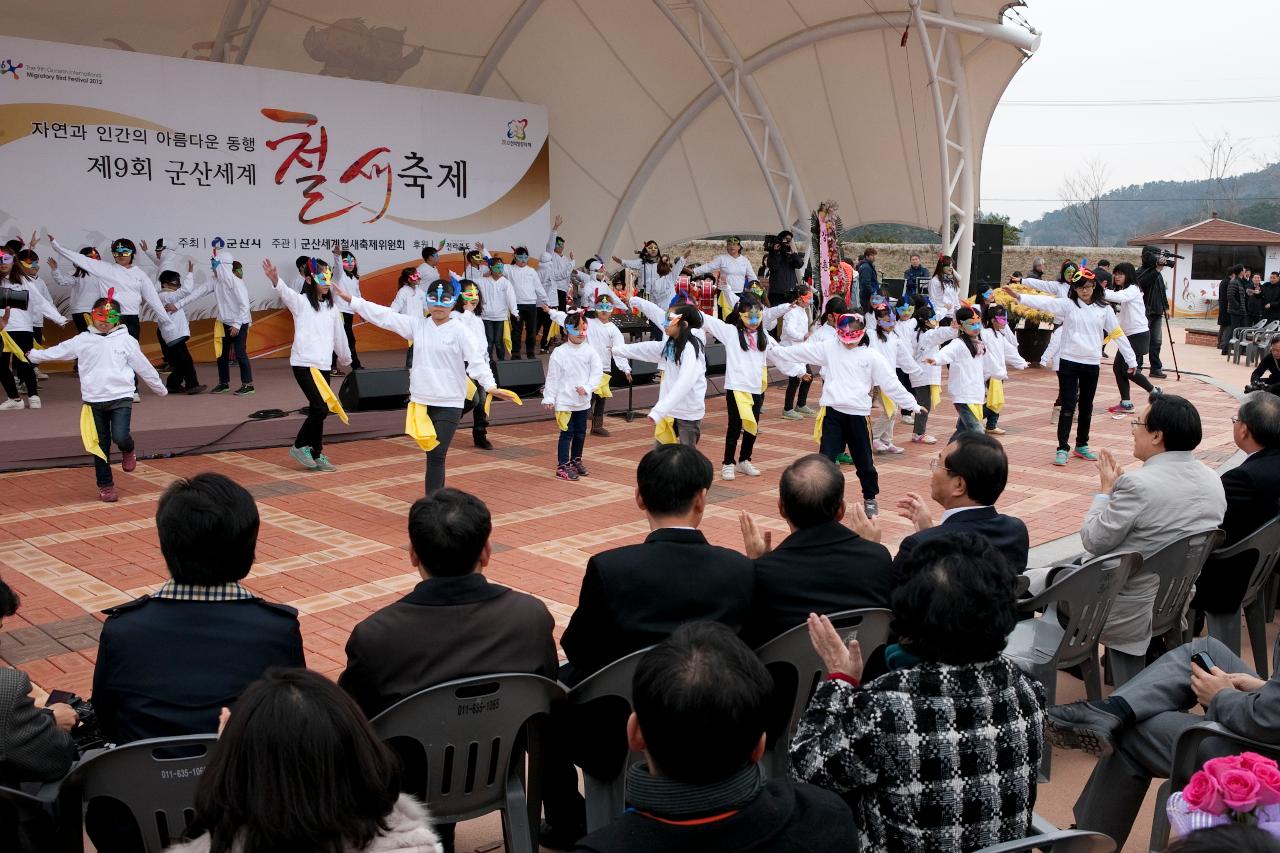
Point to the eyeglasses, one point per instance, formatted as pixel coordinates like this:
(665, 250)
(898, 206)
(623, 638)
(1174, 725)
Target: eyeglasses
(935, 464)
(1235, 419)
(1137, 423)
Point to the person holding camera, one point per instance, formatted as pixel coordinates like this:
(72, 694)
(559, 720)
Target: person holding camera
(782, 261)
(1150, 280)
(1266, 376)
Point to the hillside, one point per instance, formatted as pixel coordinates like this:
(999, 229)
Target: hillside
(1143, 208)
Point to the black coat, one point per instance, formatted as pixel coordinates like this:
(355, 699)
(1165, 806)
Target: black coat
(1224, 300)
(823, 569)
(167, 667)
(1007, 534)
(1271, 301)
(782, 268)
(1253, 499)
(635, 596)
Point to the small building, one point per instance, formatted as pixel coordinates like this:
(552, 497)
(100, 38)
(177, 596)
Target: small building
(1208, 250)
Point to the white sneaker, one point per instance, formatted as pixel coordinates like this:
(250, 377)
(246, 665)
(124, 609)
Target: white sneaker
(137, 398)
(747, 468)
(726, 473)
(33, 402)
(40, 374)
(879, 446)
(893, 448)
(908, 419)
(10, 405)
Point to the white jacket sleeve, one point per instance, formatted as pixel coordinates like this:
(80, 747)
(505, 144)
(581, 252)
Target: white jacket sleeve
(641, 350)
(650, 311)
(809, 352)
(144, 370)
(380, 315)
(340, 346)
(687, 371)
(45, 308)
(1055, 305)
(710, 266)
(291, 299)
(615, 339)
(65, 351)
(883, 375)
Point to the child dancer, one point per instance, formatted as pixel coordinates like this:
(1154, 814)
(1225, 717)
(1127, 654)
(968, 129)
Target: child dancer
(348, 277)
(602, 336)
(19, 336)
(1133, 320)
(944, 288)
(467, 311)
(109, 359)
(27, 267)
(927, 384)
(85, 287)
(499, 307)
(998, 338)
(795, 330)
(318, 336)
(1087, 322)
(889, 344)
(970, 363)
(408, 300)
(850, 369)
(232, 319)
(133, 287)
(444, 355)
(660, 317)
(682, 395)
(182, 368)
(573, 371)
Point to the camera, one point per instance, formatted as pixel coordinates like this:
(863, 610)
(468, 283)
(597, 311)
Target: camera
(87, 733)
(10, 298)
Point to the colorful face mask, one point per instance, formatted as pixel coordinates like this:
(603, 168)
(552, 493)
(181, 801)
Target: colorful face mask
(604, 307)
(972, 326)
(987, 294)
(522, 259)
(905, 311)
(733, 241)
(470, 295)
(121, 250)
(348, 263)
(757, 289)
(1000, 320)
(6, 258)
(105, 314)
(495, 268)
(753, 317)
(413, 276)
(32, 267)
(884, 322)
(578, 331)
(804, 298)
(439, 298)
(850, 328)
(93, 253)
(673, 317)
(559, 241)
(324, 277)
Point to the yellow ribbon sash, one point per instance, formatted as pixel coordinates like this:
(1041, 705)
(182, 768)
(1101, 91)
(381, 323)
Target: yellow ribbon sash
(995, 396)
(218, 331)
(562, 420)
(1115, 333)
(418, 426)
(506, 334)
(326, 394)
(488, 400)
(89, 432)
(554, 331)
(725, 308)
(665, 431)
(889, 407)
(817, 424)
(744, 401)
(603, 390)
(935, 395)
(11, 346)
(471, 389)
(976, 409)
(36, 344)
(764, 380)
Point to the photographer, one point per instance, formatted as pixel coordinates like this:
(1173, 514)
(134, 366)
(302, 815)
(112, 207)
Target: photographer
(35, 744)
(1266, 376)
(782, 262)
(1151, 283)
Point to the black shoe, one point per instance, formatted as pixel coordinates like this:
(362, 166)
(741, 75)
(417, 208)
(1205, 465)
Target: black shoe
(196, 389)
(481, 441)
(1083, 726)
(1158, 374)
(244, 390)
(220, 388)
(558, 838)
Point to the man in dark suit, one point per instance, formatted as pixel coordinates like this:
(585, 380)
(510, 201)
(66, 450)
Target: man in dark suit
(637, 595)
(461, 624)
(1253, 499)
(822, 566)
(969, 475)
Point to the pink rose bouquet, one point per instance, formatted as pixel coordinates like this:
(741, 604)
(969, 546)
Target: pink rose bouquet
(1241, 788)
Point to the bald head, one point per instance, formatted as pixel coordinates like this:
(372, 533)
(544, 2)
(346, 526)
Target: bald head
(811, 492)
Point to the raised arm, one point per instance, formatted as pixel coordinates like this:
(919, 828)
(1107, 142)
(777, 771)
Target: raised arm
(380, 315)
(650, 311)
(1055, 305)
(712, 265)
(1054, 288)
(106, 270)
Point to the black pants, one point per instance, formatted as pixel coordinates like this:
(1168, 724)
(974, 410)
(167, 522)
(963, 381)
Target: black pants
(1156, 322)
(133, 324)
(527, 328)
(351, 340)
(112, 422)
(841, 431)
(445, 420)
(795, 383)
(493, 339)
(573, 438)
(164, 348)
(311, 433)
(1076, 383)
(544, 327)
(182, 368)
(597, 406)
(734, 429)
(11, 364)
(1120, 367)
(238, 342)
(479, 420)
(924, 396)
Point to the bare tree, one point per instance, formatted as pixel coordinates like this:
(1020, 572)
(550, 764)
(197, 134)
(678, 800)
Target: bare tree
(1081, 196)
(1220, 157)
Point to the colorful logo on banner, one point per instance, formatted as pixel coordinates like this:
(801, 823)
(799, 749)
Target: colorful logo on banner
(8, 66)
(515, 129)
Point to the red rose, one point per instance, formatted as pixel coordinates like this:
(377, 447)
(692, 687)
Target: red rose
(1240, 790)
(1203, 794)
(1268, 784)
(1215, 767)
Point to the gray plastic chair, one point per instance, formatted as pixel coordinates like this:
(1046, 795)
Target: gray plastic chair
(474, 734)
(605, 776)
(1194, 747)
(1062, 841)
(1177, 565)
(1083, 596)
(1263, 547)
(1257, 342)
(154, 779)
(791, 658)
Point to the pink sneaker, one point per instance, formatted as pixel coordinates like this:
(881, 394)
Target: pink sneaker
(108, 494)
(1121, 409)
(893, 448)
(923, 439)
(879, 446)
(567, 472)
(129, 461)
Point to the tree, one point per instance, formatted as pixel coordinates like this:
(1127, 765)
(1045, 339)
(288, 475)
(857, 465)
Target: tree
(1081, 196)
(1261, 214)
(1012, 233)
(1220, 157)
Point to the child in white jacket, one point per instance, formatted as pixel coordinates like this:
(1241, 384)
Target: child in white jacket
(886, 341)
(970, 362)
(109, 358)
(573, 372)
(602, 336)
(680, 356)
(998, 338)
(924, 343)
(232, 318)
(795, 330)
(182, 368)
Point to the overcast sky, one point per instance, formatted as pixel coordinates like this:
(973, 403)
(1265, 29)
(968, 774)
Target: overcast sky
(1105, 51)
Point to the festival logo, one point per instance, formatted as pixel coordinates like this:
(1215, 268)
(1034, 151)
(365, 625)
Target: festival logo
(8, 66)
(515, 129)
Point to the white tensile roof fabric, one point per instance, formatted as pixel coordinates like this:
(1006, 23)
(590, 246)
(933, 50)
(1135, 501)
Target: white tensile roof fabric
(853, 107)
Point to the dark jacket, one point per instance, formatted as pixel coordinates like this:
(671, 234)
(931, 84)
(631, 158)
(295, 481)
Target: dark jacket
(868, 282)
(1007, 534)
(1151, 282)
(446, 628)
(32, 747)
(1236, 292)
(1253, 499)
(782, 268)
(1271, 301)
(1253, 301)
(167, 667)
(1267, 371)
(1224, 300)
(785, 817)
(915, 280)
(823, 569)
(635, 596)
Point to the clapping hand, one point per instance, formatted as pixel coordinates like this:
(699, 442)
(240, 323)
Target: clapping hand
(915, 510)
(757, 544)
(864, 525)
(1109, 470)
(836, 656)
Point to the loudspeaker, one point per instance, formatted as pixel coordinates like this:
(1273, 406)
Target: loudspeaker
(714, 354)
(988, 256)
(524, 376)
(642, 373)
(988, 238)
(375, 389)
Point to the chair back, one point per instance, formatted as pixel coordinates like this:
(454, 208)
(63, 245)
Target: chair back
(602, 749)
(154, 779)
(1177, 566)
(1063, 841)
(797, 670)
(473, 735)
(1263, 547)
(1084, 598)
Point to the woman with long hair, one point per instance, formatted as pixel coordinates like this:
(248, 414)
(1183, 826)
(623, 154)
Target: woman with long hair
(944, 288)
(348, 277)
(1124, 291)
(680, 356)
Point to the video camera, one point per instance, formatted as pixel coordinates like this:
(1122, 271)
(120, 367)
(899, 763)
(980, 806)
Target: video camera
(10, 298)
(1155, 254)
(88, 733)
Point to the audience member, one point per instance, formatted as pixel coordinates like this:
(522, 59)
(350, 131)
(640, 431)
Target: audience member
(299, 768)
(967, 479)
(1135, 729)
(941, 752)
(1229, 838)
(167, 662)
(1252, 491)
(461, 624)
(822, 566)
(34, 742)
(700, 701)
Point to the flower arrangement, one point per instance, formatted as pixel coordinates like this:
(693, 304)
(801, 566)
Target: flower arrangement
(1242, 788)
(1017, 309)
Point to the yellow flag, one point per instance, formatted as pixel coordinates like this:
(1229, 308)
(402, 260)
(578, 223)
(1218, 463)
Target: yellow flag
(744, 401)
(889, 407)
(995, 396)
(488, 401)
(471, 389)
(976, 409)
(562, 419)
(217, 339)
(506, 335)
(935, 395)
(36, 344)
(817, 424)
(603, 390)
(326, 394)
(11, 346)
(89, 432)
(417, 424)
(725, 308)
(665, 431)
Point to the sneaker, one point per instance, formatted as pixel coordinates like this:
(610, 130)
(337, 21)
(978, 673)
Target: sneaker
(1060, 458)
(220, 388)
(197, 389)
(893, 448)
(995, 431)
(805, 410)
(10, 405)
(564, 472)
(108, 494)
(879, 446)
(872, 508)
(481, 441)
(128, 461)
(40, 374)
(577, 465)
(600, 431)
(323, 464)
(137, 398)
(792, 415)
(302, 456)
(1125, 408)
(726, 472)
(908, 419)
(923, 439)
(747, 468)
(844, 459)
(244, 390)
(33, 402)
(1083, 452)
